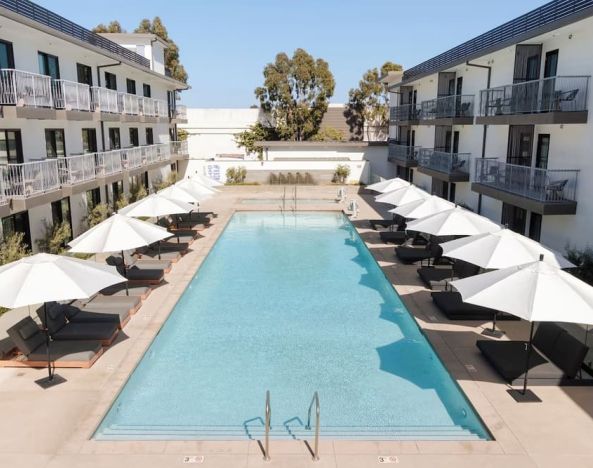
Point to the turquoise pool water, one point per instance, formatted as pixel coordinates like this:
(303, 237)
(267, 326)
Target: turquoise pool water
(293, 304)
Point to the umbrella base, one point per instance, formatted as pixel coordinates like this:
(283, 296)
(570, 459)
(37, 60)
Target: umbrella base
(527, 397)
(493, 333)
(46, 383)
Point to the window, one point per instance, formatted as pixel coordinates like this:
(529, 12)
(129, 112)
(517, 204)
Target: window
(130, 86)
(93, 198)
(6, 55)
(146, 90)
(543, 149)
(145, 181)
(134, 137)
(514, 218)
(85, 74)
(54, 143)
(110, 81)
(89, 140)
(149, 136)
(18, 222)
(60, 213)
(118, 190)
(114, 140)
(535, 226)
(48, 65)
(11, 150)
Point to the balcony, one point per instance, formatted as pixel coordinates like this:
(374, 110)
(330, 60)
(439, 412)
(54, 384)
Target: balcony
(108, 163)
(75, 170)
(179, 149)
(450, 167)
(30, 94)
(448, 110)
(403, 155)
(105, 101)
(73, 99)
(543, 191)
(408, 114)
(38, 180)
(129, 107)
(180, 114)
(555, 100)
(132, 158)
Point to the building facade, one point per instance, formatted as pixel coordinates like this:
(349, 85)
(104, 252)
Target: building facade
(501, 124)
(84, 117)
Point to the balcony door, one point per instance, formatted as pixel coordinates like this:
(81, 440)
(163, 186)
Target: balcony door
(110, 81)
(520, 148)
(550, 69)
(514, 218)
(114, 139)
(84, 74)
(55, 146)
(6, 55)
(18, 222)
(445, 139)
(89, 140)
(49, 65)
(527, 68)
(60, 213)
(11, 148)
(543, 150)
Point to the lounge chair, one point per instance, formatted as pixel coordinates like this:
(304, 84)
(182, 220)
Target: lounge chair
(120, 290)
(393, 237)
(178, 230)
(556, 357)
(436, 278)
(384, 223)
(116, 315)
(131, 304)
(452, 306)
(61, 330)
(30, 341)
(147, 263)
(414, 254)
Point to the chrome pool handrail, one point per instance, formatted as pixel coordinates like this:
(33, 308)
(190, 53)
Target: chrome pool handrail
(314, 401)
(268, 418)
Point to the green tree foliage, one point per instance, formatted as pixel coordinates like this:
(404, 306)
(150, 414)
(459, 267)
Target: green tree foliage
(583, 259)
(172, 62)
(256, 132)
(122, 202)
(137, 192)
(296, 93)
(236, 175)
(13, 248)
(166, 182)
(328, 134)
(182, 134)
(368, 104)
(112, 27)
(55, 238)
(341, 173)
(98, 214)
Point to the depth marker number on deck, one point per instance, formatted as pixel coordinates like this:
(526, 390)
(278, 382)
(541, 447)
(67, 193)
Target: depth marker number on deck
(389, 459)
(193, 459)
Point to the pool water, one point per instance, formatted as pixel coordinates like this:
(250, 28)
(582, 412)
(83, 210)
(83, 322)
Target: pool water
(293, 304)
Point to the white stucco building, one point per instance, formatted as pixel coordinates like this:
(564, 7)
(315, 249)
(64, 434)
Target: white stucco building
(501, 123)
(83, 116)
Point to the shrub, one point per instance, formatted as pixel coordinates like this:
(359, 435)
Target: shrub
(13, 248)
(236, 175)
(99, 213)
(583, 259)
(341, 173)
(122, 202)
(137, 192)
(167, 182)
(273, 179)
(55, 238)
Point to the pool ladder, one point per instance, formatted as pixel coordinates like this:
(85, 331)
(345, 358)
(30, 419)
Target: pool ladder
(268, 419)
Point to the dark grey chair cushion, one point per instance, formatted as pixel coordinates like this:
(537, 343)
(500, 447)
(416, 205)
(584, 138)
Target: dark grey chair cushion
(545, 337)
(435, 277)
(71, 351)
(451, 304)
(79, 331)
(26, 335)
(394, 237)
(568, 354)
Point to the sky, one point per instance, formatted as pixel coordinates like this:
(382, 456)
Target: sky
(225, 44)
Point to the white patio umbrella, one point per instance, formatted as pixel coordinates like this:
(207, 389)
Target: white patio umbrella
(388, 185)
(204, 180)
(454, 222)
(501, 249)
(185, 193)
(156, 205)
(42, 278)
(535, 291)
(423, 207)
(402, 195)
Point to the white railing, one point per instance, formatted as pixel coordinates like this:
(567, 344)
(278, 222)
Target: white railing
(149, 154)
(162, 110)
(128, 104)
(179, 148)
(181, 112)
(104, 100)
(132, 158)
(147, 106)
(71, 96)
(30, 178)
(77, 169)
(108, 163)
(163, 152)
(3, 197)
(22, 88)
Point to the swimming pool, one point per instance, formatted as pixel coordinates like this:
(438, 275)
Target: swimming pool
(294, 304)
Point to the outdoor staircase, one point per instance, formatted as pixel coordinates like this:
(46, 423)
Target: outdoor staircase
(284, 432)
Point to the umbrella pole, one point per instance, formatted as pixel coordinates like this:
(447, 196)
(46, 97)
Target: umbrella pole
(51, 379)
(123, 262)
(493, 332)
(525, 395)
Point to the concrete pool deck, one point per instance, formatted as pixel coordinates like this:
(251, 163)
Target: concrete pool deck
(52, 428)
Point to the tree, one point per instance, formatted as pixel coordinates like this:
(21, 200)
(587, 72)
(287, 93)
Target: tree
(257, 132)
(296, 94)
(368, 104)
(328, 134)
(172, 62)
(112, 27)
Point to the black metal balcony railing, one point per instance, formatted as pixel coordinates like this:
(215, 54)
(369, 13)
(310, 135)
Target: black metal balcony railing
(441, 161)
(544, 185)
(456, 106)
(50, 19)
(402, 152)
(555, 94)
(404, 113)
(499, 36)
